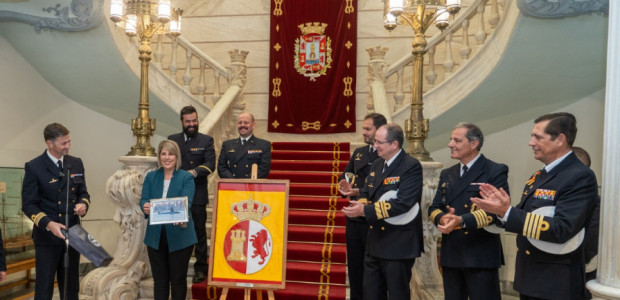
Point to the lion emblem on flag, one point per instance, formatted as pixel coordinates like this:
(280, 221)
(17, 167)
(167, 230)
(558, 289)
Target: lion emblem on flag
(313, 52)
(248, 244)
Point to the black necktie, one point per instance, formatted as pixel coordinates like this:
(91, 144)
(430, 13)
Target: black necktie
(385, 166)
(242, 142)
(464, 170)
(60, 165)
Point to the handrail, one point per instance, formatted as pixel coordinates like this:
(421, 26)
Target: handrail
(436, 39)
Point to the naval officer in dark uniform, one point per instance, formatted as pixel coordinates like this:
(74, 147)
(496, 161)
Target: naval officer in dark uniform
(357, 228)
(198, 158)
(565, 183)
(238, 155)
(395, 231)
(470, 255)
(44, 200)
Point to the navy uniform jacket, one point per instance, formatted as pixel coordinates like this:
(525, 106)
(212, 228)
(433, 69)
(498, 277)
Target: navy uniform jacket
(197, 154)
(360, 164)
(385, 240)
(236, 161)
(472, 247)
(44, 195)
(572, 188)
(181, 184)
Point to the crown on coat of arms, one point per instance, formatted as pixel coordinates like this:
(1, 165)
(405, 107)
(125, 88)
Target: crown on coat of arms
(250, 210)
(312, 27)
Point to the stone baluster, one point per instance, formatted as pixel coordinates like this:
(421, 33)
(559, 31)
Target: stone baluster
(216, 89)
(481, 34)
(187, 77)
(237, 76)
(202, 84)
(376, 80)
(431, 74)
(399, 96)
(448, 63)
(122, 279)
(607, 283)
(465, 50)
(237, 70)
(494, 18)
(158, 54)
(426, 282)
(173, 59)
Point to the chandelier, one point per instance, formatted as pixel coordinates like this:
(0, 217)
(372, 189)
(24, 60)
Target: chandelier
(145, 18)
(420, 15)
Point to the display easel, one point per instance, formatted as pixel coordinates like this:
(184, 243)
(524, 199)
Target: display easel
(247, 294)
(259, 288)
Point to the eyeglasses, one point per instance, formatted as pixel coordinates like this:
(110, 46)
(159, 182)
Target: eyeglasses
(382, 142)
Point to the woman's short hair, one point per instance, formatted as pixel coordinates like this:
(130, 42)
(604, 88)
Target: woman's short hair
(172, 148)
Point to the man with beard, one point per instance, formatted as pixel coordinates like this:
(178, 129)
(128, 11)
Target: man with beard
(198, 158)
(357, 228)
(44, 201)
(238, 155)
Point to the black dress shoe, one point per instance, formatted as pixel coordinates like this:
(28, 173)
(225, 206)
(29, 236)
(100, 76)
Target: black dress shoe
(199, 277)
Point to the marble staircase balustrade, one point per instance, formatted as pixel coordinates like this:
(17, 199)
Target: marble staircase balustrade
(461, 46)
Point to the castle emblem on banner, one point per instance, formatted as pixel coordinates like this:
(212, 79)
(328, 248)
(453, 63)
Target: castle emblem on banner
(313, 52)
(248, 244)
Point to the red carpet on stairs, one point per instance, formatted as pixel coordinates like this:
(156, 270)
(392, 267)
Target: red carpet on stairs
(316, 251)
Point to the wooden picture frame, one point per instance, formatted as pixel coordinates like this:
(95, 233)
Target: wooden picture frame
(249, 234)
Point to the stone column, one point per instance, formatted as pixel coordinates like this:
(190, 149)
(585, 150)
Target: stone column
(121, 279)
(607, 283)
(426, 282)
(376, 81)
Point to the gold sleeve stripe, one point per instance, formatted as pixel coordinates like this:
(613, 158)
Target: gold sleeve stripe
(528, 216)
(434, 214)
(378, 210)
(385, 206)
(363, 201)
(481, 218)
(87, 201)
(534, 224)
(206, 168)
(36, 218)
(542, 226)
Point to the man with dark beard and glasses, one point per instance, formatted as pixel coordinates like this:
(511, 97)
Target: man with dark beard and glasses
(198, 158)
(238, 155)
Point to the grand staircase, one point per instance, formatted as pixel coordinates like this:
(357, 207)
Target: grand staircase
(316, 251)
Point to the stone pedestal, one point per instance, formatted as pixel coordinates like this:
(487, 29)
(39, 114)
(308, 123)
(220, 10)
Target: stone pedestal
(121, 279)
(426, 282)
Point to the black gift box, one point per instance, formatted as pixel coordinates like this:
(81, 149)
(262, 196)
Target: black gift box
(84, 243)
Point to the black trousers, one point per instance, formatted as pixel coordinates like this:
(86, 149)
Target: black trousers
(199, 214)
(471, 283)
(387, 276)
(49, 264)
(356, 234)
(169, 270)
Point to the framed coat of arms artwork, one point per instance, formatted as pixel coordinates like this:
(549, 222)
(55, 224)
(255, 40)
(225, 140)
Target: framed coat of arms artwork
(248, 236)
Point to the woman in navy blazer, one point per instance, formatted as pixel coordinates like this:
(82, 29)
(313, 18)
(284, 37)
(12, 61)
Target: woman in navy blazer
(169, 245)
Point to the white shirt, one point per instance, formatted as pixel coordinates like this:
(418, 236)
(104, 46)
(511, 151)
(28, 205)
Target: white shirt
(469, 164)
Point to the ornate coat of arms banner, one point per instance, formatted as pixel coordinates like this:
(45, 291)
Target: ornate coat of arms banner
(312, 66)
(248, 236)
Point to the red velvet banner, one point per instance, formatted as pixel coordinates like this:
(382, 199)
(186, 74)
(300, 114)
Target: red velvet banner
(312, 66)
